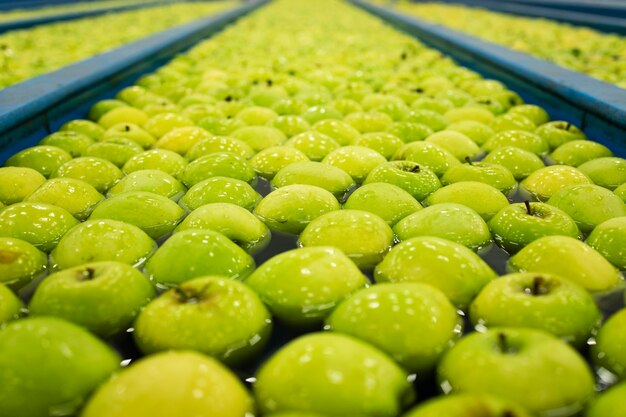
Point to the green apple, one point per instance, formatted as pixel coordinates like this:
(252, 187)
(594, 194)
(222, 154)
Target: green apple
(363, 236)
(11, 306)
(425, 323)
(476, 131)
(608, 172)
(456, 143)
(357, 161)
(390, 202)
(102, 107)
(577, 152)
(325, 176)
(44, 159)
(316, 113)
(220, 190)
(384, 143)
(540, 301)
(221, 126)
(116, 150)
(290, 125)
(325, 373)
(491, 174)
(152, 180)
(154, 214)
(302, 286)
(161, 124)
(521, 139)
(215, 144)
(161, 159)
(608, 352)
(346, 106)
(451, 267)
(516, 225)
(103, 297)
(438, 105)
(432, 119)
(366, 122)
(520, 365)
(546, 182)
(427, 155)
(84, 127)
(289, 106)
(102, 240)
(234, 222)
(75, 196)
(130, 131)
(219, 164)
(20, 262)
(203, 387)
(609, 238)
(217, 316)
(471, 113)
(314, 145)
(610, 403)
(621, 192)
(535, 113)
(260, 137)
(451, 221)
(559, 132)
(480, 197)
(291, 208)
(17, 183)
(269, 161)
(569, 258)
(199, 111)
(256, 116)
(417, 180)
(520, 162)
(512, 122)
(467, 405)
(194, 253)
(75, 144)
(588, 204)
(182, 139)
(97, 172)
(409, 132)
(123, 114)
(50, 366)
(340, 131)
(40, 224)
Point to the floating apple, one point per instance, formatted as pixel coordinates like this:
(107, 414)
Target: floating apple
(545, 182)
(482, 198)
(608, 172)
(220, 190)
(467, 405)
(389, 202)
(151, 180)
(97, 172)
(427, 155)
(520, 162)
(415, 179)
(44, 159)
(76, 196)
(17, 183)
(608, 352)
(328, 177)
(161, 159)
(491, 174)
(577, 152)
(609, 403)
(10, 305)
(74, 143)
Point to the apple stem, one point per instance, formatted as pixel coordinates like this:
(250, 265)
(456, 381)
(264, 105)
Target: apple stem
(503, 343)
(568, 126)
(87, 274)
(126, 128)
(529, 210)
(468, 160)
(416, 168)
(538, 288)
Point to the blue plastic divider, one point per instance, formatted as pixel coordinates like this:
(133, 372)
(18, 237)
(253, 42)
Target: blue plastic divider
(602, 7)
(602, 23)
(597, 107)
(36, 107)
(41, 20)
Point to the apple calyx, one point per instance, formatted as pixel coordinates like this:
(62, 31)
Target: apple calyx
(504, 346)
(86, 275)
(414, 168)
(538, 287)
(7, 257)
(468, 160)
(126, 128)
(529, 209)
(191, 295)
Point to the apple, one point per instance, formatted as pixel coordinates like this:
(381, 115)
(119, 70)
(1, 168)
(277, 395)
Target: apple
(451, 221)
(456, 143)
(366, 122)
(130, 131)
(437, 105)
(325, 373)
(363, 236)
(289, 106)
(50, 366)
(569, 258)
(161, 159)
(540, 301)
(467, 405)
(220, 126)
(409, 132)
(390, 202)
(154, 214)
(535, 113)
(115, 150)
(482, 198)
(316, 113)
(84, 127)
(20, 262)
(103, 297)
(40, 224)
(427, 155)
(609, 238)
(194, 253)
(152, 180)
(290, 125)
(102, 240)
(484, 363)
(545, 182)
(161, 124)
(97, 172)
(219, 164)
(512, 122)
(516, 225)
(577, 152)
(234, 222)
(11, 307)
(17, 183)
(217, 316)
(609, 403)
(423, 327)
(357, 161)
(521, 139)
(182, 139)
(476, 131)
(74, 143)
(123, 114)
(451, 267)
(204, 387)
(432, 119)
(559, 132)
(102, 107)
(384, 143)
(75, 196)
(608, 172)
(417, 180)
(621, 192)
(44, 159)
(608, 352)
(328, 177)
(215, 144)
(314, 145)
(469, 113)
(346, 106)
(520, 162)
(340, 131)
(256, 115)
(220, 190)
(491, 174)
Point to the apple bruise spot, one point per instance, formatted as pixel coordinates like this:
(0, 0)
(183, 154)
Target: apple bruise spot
(529, 209)
(7, 257)
(86, 275)
(538, 287)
